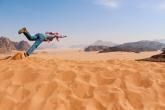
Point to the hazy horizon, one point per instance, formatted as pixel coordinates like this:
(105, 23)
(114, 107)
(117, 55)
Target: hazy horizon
(85, 21)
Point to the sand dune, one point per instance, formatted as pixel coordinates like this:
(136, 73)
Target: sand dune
(56, 83)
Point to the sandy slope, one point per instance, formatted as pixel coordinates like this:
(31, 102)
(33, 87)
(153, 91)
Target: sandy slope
(55, 83)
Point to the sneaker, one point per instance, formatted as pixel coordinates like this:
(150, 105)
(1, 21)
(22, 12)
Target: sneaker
(22, 30)
(26, 55)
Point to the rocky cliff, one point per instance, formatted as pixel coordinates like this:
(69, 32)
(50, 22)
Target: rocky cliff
(6, 45)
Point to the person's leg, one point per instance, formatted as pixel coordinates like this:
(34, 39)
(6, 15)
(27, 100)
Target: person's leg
(40, 39)
(30, 37)
(33, 47)
(27, 34)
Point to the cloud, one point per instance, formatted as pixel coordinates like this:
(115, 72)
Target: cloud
(156, 5)
(161, 6)
(153, 5)
(108, 3)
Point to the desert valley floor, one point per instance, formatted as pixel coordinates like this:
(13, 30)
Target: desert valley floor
(75, 80)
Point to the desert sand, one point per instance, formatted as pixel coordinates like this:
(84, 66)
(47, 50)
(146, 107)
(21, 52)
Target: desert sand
(75, 80)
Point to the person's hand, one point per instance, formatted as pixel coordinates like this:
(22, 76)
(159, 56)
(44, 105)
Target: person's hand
(57, 38)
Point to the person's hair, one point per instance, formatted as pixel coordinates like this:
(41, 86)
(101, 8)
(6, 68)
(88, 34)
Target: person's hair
(52, 33)
(48, 32)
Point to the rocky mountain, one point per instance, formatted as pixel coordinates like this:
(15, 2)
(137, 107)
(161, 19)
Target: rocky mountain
(139, 46)
(103, 43)
(99, 45)
(161, 41)
(22, 45)
(95, 48)
(6, 45)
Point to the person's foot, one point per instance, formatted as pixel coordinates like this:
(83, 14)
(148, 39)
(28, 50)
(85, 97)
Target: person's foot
(26, 55)
(22, 30)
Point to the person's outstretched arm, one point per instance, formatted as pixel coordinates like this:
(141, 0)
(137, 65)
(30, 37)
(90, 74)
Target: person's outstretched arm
(51, 36)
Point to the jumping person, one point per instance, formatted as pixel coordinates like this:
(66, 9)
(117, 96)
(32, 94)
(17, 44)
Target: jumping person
(38, 38)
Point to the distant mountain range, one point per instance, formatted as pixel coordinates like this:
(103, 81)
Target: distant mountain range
(98, 43)
(139, 46)
(103, 43)
(6, 45)
(160, 40)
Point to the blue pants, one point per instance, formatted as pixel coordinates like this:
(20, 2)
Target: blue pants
(38, 38)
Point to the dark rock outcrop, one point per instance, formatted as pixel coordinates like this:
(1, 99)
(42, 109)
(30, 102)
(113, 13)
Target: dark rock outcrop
(139, 46)
(95, 48)
(155, 58)
(22, 46)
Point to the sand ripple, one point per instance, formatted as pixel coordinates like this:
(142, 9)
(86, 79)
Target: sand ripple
(53, 84)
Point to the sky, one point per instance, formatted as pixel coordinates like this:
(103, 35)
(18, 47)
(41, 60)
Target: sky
(85, 21)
